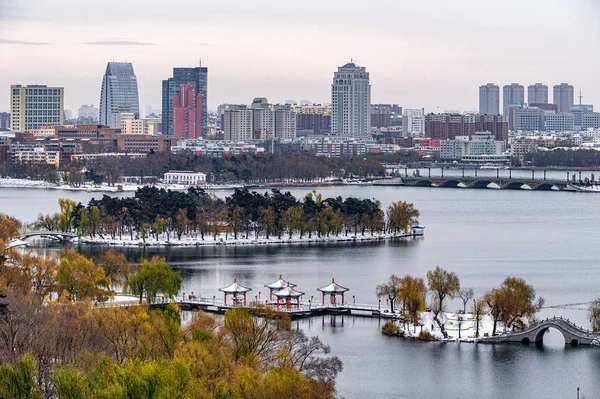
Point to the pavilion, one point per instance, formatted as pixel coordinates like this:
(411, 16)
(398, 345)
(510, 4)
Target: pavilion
(234, 289)
(333, 289)
(288, 293)
(277, 285)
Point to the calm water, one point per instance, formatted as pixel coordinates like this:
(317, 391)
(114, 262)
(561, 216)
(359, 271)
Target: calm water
(548, 238)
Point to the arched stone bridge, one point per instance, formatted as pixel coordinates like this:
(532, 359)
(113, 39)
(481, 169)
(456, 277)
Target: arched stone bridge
(484, 181)
(573, 334)
(56, 235)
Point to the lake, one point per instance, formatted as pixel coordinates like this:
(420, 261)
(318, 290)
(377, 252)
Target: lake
(548, 238)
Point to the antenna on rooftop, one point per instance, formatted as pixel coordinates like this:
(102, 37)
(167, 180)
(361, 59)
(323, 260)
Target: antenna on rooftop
(200, 62)
(580, 96)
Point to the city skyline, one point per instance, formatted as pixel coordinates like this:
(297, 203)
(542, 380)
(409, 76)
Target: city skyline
(409, 63)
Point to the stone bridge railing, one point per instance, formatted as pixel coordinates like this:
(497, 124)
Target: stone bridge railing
(573, 334)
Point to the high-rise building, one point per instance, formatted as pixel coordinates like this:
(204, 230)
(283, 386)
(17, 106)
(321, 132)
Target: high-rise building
(526, 119)
(413, 122)
(170, 88)
(513, 93)
(237, 124)
(32, 107)
(263, 123)
(187, 112)
(119, 93)
(285, 123)
(563, 96)
(312, 119)
(351, 102)
(537, 94)
(4, 120)
(489, 99)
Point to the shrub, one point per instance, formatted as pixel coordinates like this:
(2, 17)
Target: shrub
(427, 336)
(389, 328)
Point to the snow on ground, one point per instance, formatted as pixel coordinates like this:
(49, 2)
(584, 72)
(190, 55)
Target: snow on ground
(27, 183)
(210, 240)
(452, 323)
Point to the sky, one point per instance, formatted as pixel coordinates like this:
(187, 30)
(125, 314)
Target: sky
(430, 54)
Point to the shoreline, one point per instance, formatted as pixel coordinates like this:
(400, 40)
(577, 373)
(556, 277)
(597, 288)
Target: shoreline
(209, 241)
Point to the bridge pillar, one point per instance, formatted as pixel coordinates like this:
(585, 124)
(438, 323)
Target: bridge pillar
(406, 172)
(544, 174)
(429, 172)
(579, 175)
(497, 173)
(475, 172)
(442, 171)
(533, 174)
(463, 172)
(510, 173)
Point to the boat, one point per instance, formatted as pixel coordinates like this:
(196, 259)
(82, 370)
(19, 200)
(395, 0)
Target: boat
(592, 188)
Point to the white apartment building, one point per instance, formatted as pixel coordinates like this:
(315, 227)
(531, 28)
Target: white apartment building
(351, 102)
(185, 178)
(131, 125)
(559, 122)
(413, 122)
(482, 147)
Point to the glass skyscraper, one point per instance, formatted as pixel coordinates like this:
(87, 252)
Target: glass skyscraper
(170, 87)
(119, 93)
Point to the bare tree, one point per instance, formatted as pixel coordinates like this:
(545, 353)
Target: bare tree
(466, 295)
(390, 289)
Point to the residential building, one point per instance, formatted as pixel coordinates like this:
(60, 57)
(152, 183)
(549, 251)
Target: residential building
(260, 102)
(237, 124)
(187, 112)
(563, 96)
(448, 126)
(285, 123)
(119, 93)
(216, 148)
(351, 102)
(263, 123)
(578, 111)
(380, 115)
(197, 76)
(4, 120)
(185, 177)
(38, 155)
(312, 120)
(84, 131)
(32, 107)
(44, 131)
(591, 121)
(526, 119)
(132, 125)
(413, 122)
(522, 146)
(489, 99)
(497, 125)
(336, 146)
(512, 94)
(559, 122)
(537, 94)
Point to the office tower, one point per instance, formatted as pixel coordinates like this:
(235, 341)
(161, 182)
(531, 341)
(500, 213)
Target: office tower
(237, 123)
(187, 112)
(526, 119)
(489, 99)
(119, 93)
(578, 111)
(559, 122)
(170, 88)
(32, 107)
(537, 94)
(512, 94)
(413, 122)
(4, 120)
(351, 102)
(563, 96)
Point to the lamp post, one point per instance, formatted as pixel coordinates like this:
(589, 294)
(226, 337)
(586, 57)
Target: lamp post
(353, 299)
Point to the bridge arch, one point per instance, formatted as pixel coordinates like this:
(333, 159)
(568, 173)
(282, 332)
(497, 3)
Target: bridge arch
(516, 185)
(546, 186)
(481, 184)
(452, 183)
(568, 338)
(424, 183)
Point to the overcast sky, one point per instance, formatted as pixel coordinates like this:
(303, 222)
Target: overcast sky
(431, 54)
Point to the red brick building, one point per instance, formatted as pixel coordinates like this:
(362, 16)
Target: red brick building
(187, 113)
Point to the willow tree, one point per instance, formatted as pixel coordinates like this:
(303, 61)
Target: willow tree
(154, 277)
(412, 294)
(442, 284)
(400, 216)
(595, 315)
